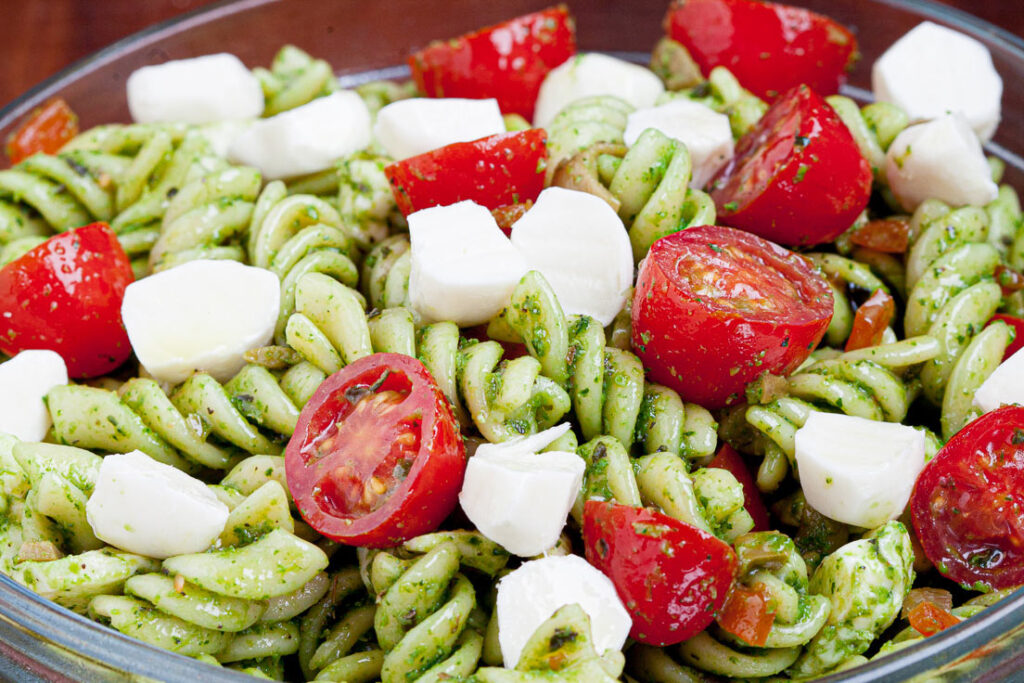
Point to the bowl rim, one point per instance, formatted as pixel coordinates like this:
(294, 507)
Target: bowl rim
(29, 612)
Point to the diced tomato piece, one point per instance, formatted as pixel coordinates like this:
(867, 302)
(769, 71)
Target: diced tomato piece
(870, 321)
(46, 130)
(745, 615)
(889, 235)
(728, 459)
(508, 214)
(928, 619)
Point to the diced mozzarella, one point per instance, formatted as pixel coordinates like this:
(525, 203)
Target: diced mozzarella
(24, 381)
(533, 443)
(520, 498)
(417, 125)
(222, 135)
(933, 70)
(463, 267)
(306, 139)
(529, 596)
(591, 74)
(1005, 386)
(146, 507)
(580, 246)
(858, 471)
(940, 159)
(199, 90)
(200, 316)
(705, 132)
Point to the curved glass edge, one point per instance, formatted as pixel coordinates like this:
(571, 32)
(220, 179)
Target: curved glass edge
(82, 649)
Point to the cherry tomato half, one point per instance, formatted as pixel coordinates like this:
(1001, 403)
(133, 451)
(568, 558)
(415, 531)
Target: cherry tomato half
(797, 176)
(728, 459)
(767, 46)
(65, 295)
(715, 307)
(502, 169)
(968, 502)
(46, 130)
(507, 61)
(377, 456)
(672, 577)
(1017, 325)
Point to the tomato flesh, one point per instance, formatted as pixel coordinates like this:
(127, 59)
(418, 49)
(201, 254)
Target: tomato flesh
(768, 47)
(968, 503)
(714, 308)
(46, 131)
(502, 169)
(888, 235)
(798, 177)
(672, 577)
(870, 321)
(928, 619)
(507, 61)
(728, 459)
(746, 616)
(65, 295)
(377, 456)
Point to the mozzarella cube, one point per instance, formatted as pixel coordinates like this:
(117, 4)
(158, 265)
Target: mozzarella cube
(705, 132)
(933, 70)
(528, 596)
(590, 74)
(1005, 386)
(858, 471)
(24, 381)
(306, 139)
(199, 90)
(520, 498)
(152, 509)
(417, 125)
(940, 159)
(580, 246)
(463, 267)
(200, 316)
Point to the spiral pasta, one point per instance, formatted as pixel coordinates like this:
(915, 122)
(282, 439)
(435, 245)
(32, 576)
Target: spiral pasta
(720, 91)
(873, 127)
(585, 122)
(294, 78)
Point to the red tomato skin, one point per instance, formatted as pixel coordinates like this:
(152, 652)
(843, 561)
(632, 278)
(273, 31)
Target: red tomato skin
(502, 169)
(429, 491)
(708, 350)
(46, 131)
(728, 459)
(1017, 325)
(507, 61)
(768, 47)
(65, 295)
(673, 578)
(968, 502)
(798, 177)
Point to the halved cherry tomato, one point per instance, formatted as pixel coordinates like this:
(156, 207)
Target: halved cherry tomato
(767, 46)
(507, 61)
(928, 619)
(888, 235)
(746, 616)
(65, 295)
(797, 177)
(715, 307)
(376, 457)
(46, 130)
(1017, 325)
(870, 321)
(507, 168)
(728, 459)
(968, 502)
(672, 577)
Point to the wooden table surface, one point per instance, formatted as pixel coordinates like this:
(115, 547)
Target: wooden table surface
(40, 37)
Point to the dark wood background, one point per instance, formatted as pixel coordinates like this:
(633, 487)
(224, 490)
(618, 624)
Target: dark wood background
(40, 37)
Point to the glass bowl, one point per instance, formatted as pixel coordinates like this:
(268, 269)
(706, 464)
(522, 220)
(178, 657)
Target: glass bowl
(365, 40)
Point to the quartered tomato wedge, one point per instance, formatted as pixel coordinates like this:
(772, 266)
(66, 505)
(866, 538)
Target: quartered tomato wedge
(377, 456)
(672, 577)
(728, 459)
(495, 171)
(797, 177)
(714, 308)
(968, 502)
(507, 61)
(65, 295)
(46, 130)
(767, 46)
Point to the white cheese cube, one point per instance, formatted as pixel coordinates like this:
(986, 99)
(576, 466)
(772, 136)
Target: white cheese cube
(529, 596)
(152, 509)
(200, 316)
(705, 132)
(463, 267)
(940, 159)
(24, 381)
(420, 124)
(933, 70)
(199, 90)
(591, 74)
(858, 471)
(306, 139)
(1005, 386)
(580, 246)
